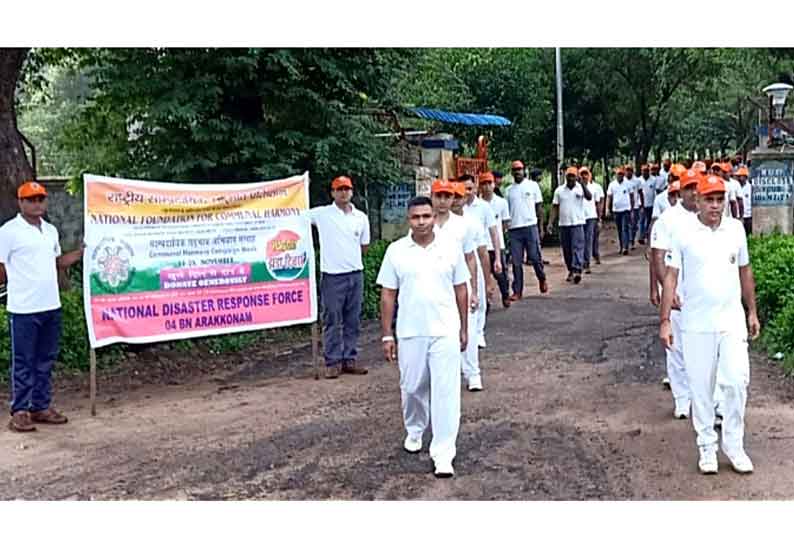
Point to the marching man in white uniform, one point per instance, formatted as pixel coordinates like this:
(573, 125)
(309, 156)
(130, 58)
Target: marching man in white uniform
(481, 212)
(465, 234)
(713, 265)
(671, 224)
(430, 276)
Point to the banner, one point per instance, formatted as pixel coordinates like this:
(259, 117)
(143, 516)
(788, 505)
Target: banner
(167, 261)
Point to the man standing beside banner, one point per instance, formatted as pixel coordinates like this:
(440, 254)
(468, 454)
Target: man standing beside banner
(344, 237)
(30, 258)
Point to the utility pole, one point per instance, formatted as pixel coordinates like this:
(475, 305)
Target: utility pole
(555, 179)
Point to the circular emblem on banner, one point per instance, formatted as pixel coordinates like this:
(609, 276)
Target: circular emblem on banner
(285, 255)
(733, 258)
(111, 263)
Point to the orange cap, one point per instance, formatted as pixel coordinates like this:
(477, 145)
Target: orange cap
(460, 189)
(743, 171)
(486, 177)
(699, 166)
(689, 178)
(518, 164)
(678, 170)
(710, 185)
(674, 187)
(571, 171)
(440, 186)
(584, 172)
(31, 189)
(341, 182)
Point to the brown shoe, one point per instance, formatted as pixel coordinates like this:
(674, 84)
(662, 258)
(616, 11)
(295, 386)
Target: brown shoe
(332, 371)
(544, 286)
(48, 416)
(20, 422)
(513, 298)
(350, 368)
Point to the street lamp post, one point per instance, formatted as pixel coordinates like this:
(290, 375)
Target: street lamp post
(560, 145)
(777, 94)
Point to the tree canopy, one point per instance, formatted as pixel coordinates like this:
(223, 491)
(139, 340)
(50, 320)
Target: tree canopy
(252, 114)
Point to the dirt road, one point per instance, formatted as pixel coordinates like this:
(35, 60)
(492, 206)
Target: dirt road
(572, 409)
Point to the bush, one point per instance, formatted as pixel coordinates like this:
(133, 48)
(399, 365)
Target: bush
(772, 258)
(372, 261)
(779, 336)
(74, 351)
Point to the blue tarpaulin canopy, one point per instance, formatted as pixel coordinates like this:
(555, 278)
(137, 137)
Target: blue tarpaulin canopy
(469, 119)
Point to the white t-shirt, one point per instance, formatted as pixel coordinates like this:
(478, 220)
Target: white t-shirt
(671, 224)
(425, 278)
(620, 192)
(501, 214)
(660, 204)
(590, 205)
(341, 237)
(521, 199)
(660, 182)
(462, 231)
(571, 202)
(648, 190)
(482, 213)
(29, 254)
(747, 197)
(635, 183)
(708, 262)
(733, 193)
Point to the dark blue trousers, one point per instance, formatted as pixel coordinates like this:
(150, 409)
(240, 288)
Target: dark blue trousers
(341, 295)
(572, 243)
(34, 348)
(525, 240)
(623, 223)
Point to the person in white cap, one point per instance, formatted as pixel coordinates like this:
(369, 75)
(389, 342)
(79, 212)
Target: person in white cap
(713, 265)
(430, 276)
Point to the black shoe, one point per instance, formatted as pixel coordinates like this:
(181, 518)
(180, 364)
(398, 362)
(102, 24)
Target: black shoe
(577, 278)
(598, 260)
(625, 252)
(569, 278)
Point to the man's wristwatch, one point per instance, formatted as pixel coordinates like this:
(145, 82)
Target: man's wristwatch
(388, 338)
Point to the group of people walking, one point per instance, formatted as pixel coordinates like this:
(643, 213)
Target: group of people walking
(436, 279)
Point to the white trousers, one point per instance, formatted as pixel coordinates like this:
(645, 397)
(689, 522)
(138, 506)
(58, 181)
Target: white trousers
(430, 390)
(470, 357)
(481, 309)
(676, 370)
(707, 354)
